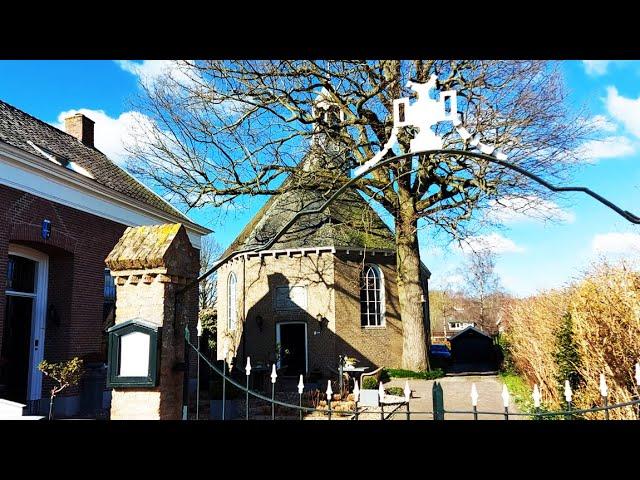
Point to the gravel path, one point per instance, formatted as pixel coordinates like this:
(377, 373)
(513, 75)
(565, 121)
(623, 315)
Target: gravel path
(457, 396)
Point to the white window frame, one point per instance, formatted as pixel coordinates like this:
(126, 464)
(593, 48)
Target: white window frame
(38, 319)
(232, 301)
(381, 300)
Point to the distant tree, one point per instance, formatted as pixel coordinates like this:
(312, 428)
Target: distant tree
(210, 250)
(482, 284)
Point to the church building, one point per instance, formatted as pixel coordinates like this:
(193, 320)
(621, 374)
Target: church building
(327, 287)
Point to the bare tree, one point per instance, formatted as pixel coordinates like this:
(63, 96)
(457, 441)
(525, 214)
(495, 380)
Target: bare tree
(483, 286)
(210, 250)
(217, 132)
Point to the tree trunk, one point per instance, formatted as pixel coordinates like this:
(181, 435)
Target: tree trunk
(410, 293)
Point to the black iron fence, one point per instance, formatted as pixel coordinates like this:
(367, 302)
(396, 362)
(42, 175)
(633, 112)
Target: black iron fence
(389, 406)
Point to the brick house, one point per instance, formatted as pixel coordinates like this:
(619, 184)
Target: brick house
(64, 205)
(327, 287)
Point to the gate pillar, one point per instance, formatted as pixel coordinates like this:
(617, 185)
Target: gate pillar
(149, 265)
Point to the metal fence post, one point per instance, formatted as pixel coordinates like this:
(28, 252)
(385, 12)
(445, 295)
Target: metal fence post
(300, 390)
(438, 402)
(185, 382)
(356, 397)
(407, 397)
(474, 400)
(340, 371)
(568, 395)
(329, 393)
(505, 401)
(604, 392)
(274, 375)
(224, 384)
(247, 370)
(198, 374)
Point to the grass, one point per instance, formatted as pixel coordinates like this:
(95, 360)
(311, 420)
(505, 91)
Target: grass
(400, 373)
(519, 390)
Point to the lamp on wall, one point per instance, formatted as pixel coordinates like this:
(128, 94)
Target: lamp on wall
(320, 320)
(259, 322)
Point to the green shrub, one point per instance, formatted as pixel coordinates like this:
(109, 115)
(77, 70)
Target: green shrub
(369, 383)
(401, 373)
(567, 356)
(399, 391)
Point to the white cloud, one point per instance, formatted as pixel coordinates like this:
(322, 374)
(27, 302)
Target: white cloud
(608, 147)
(149, 71)
(614, 242)
(511, 209)
(494, 242)
(596, 67)
(602, 123)
(625, 110)
(111, 134)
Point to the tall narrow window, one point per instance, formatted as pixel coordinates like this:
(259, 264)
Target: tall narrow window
(371, 297)
(109, 305)
(232, 307)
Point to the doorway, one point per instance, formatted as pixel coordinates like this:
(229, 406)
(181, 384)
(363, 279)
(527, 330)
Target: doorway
(291, 338)
(24, 326)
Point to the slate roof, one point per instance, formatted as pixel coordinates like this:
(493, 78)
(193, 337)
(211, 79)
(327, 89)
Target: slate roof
(17, 128)
(349, 222)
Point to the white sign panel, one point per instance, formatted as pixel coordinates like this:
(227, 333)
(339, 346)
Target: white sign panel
(291, 298)
(134, 355)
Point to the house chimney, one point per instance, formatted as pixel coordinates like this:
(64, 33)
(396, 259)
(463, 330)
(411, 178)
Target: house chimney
(80, 127)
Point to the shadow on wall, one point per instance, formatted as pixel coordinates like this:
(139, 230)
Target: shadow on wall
(279, 329)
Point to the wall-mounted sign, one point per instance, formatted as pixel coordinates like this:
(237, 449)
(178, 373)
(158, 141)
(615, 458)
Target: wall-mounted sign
(46, 229)
(291, 298)
(133, 354)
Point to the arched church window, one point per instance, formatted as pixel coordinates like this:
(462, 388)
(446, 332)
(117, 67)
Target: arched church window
(232, 306)
(371, 297)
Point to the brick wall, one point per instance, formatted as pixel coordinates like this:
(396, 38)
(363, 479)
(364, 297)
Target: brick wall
(376, 346)
(77, 248)
(258, 278)
(333, 289)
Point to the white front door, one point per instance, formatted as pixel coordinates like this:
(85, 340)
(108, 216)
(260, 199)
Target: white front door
(28, 274)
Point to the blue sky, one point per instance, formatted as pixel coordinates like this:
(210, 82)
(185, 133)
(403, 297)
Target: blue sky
(532, 254)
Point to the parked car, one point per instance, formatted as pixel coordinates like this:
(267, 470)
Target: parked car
(440, 352)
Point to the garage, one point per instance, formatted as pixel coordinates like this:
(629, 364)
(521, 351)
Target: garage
(473, 350)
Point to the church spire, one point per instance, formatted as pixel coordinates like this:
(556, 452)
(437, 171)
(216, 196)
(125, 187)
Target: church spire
(325, 150)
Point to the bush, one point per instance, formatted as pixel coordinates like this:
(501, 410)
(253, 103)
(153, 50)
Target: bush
(577, 333)
(208, 319)
(400, 373)
(369, 383)
(567, 356)
(399, 391)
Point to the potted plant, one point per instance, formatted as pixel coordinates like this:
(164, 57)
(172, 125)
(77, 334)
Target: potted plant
(369, 396)
(65, 374)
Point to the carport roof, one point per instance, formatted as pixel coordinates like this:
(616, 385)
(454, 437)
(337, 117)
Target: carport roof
(466, 330)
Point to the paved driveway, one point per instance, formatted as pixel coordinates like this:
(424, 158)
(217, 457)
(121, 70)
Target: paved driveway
(457, 396)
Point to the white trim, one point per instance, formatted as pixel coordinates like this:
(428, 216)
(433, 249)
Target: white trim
(383, 298)
(38, 324)
(30, 173)
(232, 306)
(306, 342)
(316, 250)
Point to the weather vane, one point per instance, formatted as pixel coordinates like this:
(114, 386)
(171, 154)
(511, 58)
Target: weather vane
(423, 114)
